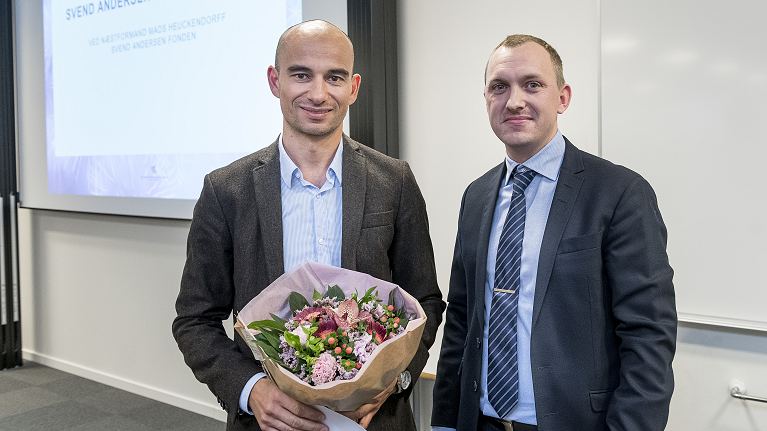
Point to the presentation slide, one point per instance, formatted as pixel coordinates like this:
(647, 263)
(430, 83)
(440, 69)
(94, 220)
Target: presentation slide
(144, 97)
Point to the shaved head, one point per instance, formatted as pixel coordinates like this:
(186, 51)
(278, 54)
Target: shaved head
(311, 30)
(313, 78)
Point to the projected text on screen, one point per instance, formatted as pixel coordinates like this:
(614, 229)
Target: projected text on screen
(144, 97)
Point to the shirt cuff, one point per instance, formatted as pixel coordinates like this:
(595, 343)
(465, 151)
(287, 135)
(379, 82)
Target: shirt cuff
(442, 429)
(246, 392)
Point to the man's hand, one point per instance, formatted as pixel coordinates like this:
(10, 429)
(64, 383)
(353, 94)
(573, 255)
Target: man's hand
(364, 414)
(276, 411)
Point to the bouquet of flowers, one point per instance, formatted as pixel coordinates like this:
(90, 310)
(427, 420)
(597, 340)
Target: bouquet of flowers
(331, 338)
(339, 349)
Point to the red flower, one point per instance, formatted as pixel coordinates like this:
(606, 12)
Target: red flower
(325, 327)
(378, 332)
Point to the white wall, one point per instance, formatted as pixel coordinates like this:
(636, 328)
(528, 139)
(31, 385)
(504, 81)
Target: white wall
(98, 296)
(93, 281)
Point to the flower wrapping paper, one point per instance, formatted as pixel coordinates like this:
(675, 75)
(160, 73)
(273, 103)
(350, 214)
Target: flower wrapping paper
(388, 360)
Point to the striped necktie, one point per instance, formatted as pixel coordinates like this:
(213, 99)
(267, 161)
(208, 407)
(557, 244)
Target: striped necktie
(502, 371)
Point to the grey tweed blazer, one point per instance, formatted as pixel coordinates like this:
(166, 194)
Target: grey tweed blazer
(234, 250)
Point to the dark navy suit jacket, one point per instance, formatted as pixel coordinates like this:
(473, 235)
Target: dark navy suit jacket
(604, 317)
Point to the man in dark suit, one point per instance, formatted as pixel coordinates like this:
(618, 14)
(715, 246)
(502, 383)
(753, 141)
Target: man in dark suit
(313, 194)
(561, 311)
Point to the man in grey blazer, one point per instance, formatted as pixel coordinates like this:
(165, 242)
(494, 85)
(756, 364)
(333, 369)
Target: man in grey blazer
(367, 205)
(590, 329)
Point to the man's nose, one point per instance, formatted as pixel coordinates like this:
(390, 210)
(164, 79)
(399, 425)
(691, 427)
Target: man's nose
(516, 99)
(318, 91)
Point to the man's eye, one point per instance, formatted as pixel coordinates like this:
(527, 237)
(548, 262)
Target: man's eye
(335, 78)
(301, 76)
(534, 85)
(499, 87)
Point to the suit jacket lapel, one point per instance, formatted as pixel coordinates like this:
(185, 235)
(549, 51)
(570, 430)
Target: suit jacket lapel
(353, 186)
(568, 186)
(485, 226)
(267, 182)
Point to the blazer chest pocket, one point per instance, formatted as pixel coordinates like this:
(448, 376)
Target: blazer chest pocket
(385, 218)
(600, 400)
(580, 243)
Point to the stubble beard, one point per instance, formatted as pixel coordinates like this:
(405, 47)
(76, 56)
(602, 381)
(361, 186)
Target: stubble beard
(314, 130)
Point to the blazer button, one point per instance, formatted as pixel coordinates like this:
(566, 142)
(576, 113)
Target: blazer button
(479, 342)
(475, 386)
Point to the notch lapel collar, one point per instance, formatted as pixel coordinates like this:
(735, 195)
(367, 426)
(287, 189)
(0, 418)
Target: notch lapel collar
(485, 226)
(268, 185)
(353, 186)
(562, 204)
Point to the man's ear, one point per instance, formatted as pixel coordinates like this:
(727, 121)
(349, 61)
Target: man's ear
(272, 76)
(565, 94)
(355, 87)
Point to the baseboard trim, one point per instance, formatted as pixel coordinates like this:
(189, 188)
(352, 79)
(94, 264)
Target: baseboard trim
(210, 410)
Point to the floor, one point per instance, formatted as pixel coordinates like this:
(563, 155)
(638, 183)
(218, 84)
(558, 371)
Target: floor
(36, 397)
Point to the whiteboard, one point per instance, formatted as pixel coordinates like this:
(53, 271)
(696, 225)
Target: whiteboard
(683, 101)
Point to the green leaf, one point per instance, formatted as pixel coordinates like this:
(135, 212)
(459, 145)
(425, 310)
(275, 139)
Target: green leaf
(279, 320)
(369, 294)
(317, 295)
(273, 337)
(261, 338)
(391, 297)
(270, 351)
(260, 325)
(297, 302)
(293, 340)
(316, 345)
(335, 292)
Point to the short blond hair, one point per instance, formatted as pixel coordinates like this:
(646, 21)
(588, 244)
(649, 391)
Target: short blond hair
(516, 40)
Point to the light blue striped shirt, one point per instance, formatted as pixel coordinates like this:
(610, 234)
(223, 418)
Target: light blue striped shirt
(538, 197)
(311, 224)
(311, 216)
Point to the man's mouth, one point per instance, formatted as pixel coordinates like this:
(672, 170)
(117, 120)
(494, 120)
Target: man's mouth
(517, 119)
(315, 112)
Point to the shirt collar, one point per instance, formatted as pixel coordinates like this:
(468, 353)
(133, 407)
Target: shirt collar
(545, 162)
(288, 168)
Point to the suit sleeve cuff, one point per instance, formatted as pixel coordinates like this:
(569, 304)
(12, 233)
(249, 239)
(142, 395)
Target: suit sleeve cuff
(245, 394)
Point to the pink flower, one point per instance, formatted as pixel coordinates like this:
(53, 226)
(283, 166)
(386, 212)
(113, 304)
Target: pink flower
(347, 314)
(324, 369)
(308, 314)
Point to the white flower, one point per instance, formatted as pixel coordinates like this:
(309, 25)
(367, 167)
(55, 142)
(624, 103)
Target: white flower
(302, 336)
